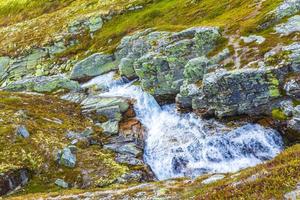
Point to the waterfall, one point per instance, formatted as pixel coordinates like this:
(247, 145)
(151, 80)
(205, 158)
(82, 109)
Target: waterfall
(178, 145)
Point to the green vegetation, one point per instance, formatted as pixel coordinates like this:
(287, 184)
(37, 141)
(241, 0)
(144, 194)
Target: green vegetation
(48, 119)
(278, 114)
(270, 180)
(162, 15)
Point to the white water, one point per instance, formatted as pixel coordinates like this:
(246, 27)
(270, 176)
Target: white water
(184, 145)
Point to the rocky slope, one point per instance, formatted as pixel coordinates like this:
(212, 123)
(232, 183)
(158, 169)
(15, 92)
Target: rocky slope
(58, 58)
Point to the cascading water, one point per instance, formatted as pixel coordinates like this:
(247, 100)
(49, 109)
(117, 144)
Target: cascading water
(185, 145)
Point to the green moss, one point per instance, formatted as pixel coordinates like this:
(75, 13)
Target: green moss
(278, 114)
(270, 180)
(37, 153)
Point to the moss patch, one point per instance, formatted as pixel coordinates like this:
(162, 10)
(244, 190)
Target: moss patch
(48, 119)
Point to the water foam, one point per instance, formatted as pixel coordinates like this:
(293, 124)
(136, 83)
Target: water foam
(179, 145)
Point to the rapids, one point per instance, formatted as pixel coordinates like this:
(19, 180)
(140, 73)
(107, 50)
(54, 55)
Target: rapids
(178, 145)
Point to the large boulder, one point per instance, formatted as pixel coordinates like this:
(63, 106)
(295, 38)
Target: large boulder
(43, 84)
(245, 91)
(93, 66)
(159, 58)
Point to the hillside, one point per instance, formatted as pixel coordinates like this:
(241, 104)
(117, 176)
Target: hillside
(149, 99)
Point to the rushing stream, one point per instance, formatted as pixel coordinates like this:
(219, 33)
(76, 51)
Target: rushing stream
(179, 145)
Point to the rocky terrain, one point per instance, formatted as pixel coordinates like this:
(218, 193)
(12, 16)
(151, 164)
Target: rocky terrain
(150, 99)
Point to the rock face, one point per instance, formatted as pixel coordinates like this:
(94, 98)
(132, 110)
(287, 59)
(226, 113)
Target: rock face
(293, 25)
(12, 180)
(92, 66)
(247, 91)
(158, 58)
(285, 9)
(43, 84)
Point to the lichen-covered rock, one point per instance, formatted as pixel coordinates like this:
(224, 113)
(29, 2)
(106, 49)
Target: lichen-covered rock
(92, 66)
(112, 113)
(75, 97)
(126, 68)
(291, 26)
(246, 91)
(195, 69)
(159, 58)
(43, 84)
(61, 183)
(91, 24)
(185, 97)
(66, 158)
(129, 148)
(110, 127)
(287, 107)
(95, 103)
(285, 9)
(294, 124)
(292, 88)
(253, 38)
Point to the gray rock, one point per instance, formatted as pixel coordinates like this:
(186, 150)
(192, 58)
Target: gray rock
(291, 26)
(126, 68)
(95, 103)
(253, 38)
(128, 159)
(23, 132)
(112, 113)
(134, 176)
(125, 148)
(294, 124)
(246, 91)
(296, 111)
(213, 179)
(91, 24)
(292, 88)
(294, 56)
(110, 127)
(43, 84)
(159, 57)
(196, 68)
(75, 97)
(285, 9)
(66, 158)
(61, 183)
(287, 107)
(187, 93)
(93, 66)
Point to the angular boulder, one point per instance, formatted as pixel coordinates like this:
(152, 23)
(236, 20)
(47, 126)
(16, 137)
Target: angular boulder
(246, 91)
(66, 158)
(94, 65)
(43, 84)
